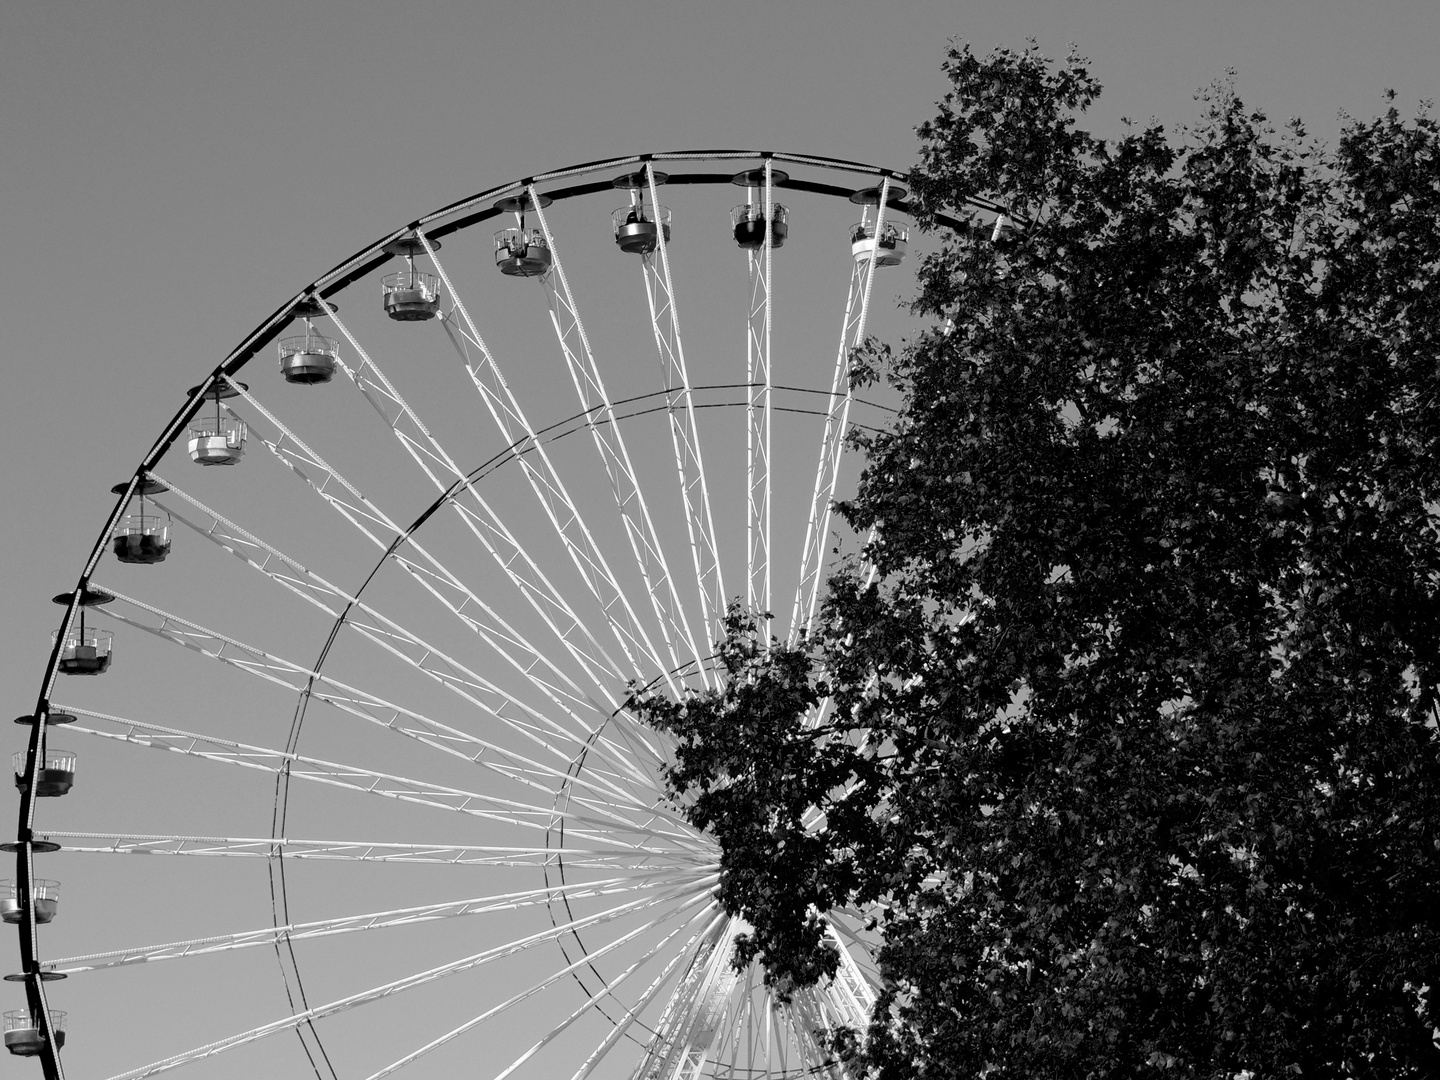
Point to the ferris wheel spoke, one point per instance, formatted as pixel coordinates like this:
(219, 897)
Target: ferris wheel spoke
(724, 1019)
(681, 898)
(804, 1030)
(793, 1060)
(487, 527)
(345, 924)
(622, 1026)
(302, 680)
(685, 1036)
(861, 986)
(603, 820)
(858, 987)
(733, 1028)
(372, 522)
(314, 589)
(798, 1039)
(757, 459)
(758, 376)
(560, 509)
(606, 991)
(795, 1037)
(609, 440)
(745, 1033)
(837, 420)
(639, 860)
(817, 1015)
(684, 432)
(774, 1047)
(395, 639)
(646, 824)
(351, 777)
(545, 481)
(753, 1035)
(446, 587)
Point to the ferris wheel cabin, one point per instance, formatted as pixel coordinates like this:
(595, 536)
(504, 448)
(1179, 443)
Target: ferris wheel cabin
(144, 535)
(22, 1034)
(893, 240)
(85, 651)
(747, 221)
(636, 231)
(309, 358)
(54, 779)
(638, 227)
(218, 440)
(411, 295)
(220, 443)
(44, 900)
(143, 538)
(522, 252)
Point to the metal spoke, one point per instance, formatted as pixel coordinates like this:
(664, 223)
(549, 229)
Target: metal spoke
(535, 726)
(297, 679)
(757, 412)
(487, 527)
(741, 1019)
(345, 924)
(410, 982)
(548, 487)
(855, 983)
(96, 843)
(684, 432)
(837, 419)
(314, 589)
(610, 445)
(605, 827)
(623, 1026)
(686, 1032)
(857, 944)
(605, 991)
(401, 547)
(812, 1031)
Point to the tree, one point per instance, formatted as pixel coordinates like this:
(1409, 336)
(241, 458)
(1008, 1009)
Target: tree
(1132, 740)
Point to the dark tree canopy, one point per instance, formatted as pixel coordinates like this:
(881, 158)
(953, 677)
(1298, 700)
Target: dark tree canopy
(1133, 738)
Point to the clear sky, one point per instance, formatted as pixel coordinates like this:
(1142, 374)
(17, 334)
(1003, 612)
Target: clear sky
(171, 172)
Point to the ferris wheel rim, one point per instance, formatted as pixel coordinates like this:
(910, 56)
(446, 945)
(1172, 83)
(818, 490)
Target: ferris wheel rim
(460, 215)
(373, 255)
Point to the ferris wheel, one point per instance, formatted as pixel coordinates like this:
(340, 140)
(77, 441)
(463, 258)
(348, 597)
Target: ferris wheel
(402, 819)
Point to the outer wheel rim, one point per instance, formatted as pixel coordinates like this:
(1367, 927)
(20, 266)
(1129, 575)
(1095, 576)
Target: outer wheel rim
(454, 218)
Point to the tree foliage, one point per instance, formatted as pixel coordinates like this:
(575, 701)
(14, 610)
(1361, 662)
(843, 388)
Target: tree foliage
(1132, 740)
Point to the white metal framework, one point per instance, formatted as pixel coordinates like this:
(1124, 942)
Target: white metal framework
(387, 664)
(837, 421)
(757, 412)
(684, 429)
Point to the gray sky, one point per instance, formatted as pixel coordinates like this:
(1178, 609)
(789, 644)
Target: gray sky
(171, 172)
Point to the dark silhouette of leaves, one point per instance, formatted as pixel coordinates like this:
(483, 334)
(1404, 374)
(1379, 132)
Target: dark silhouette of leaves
(1132, 741)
